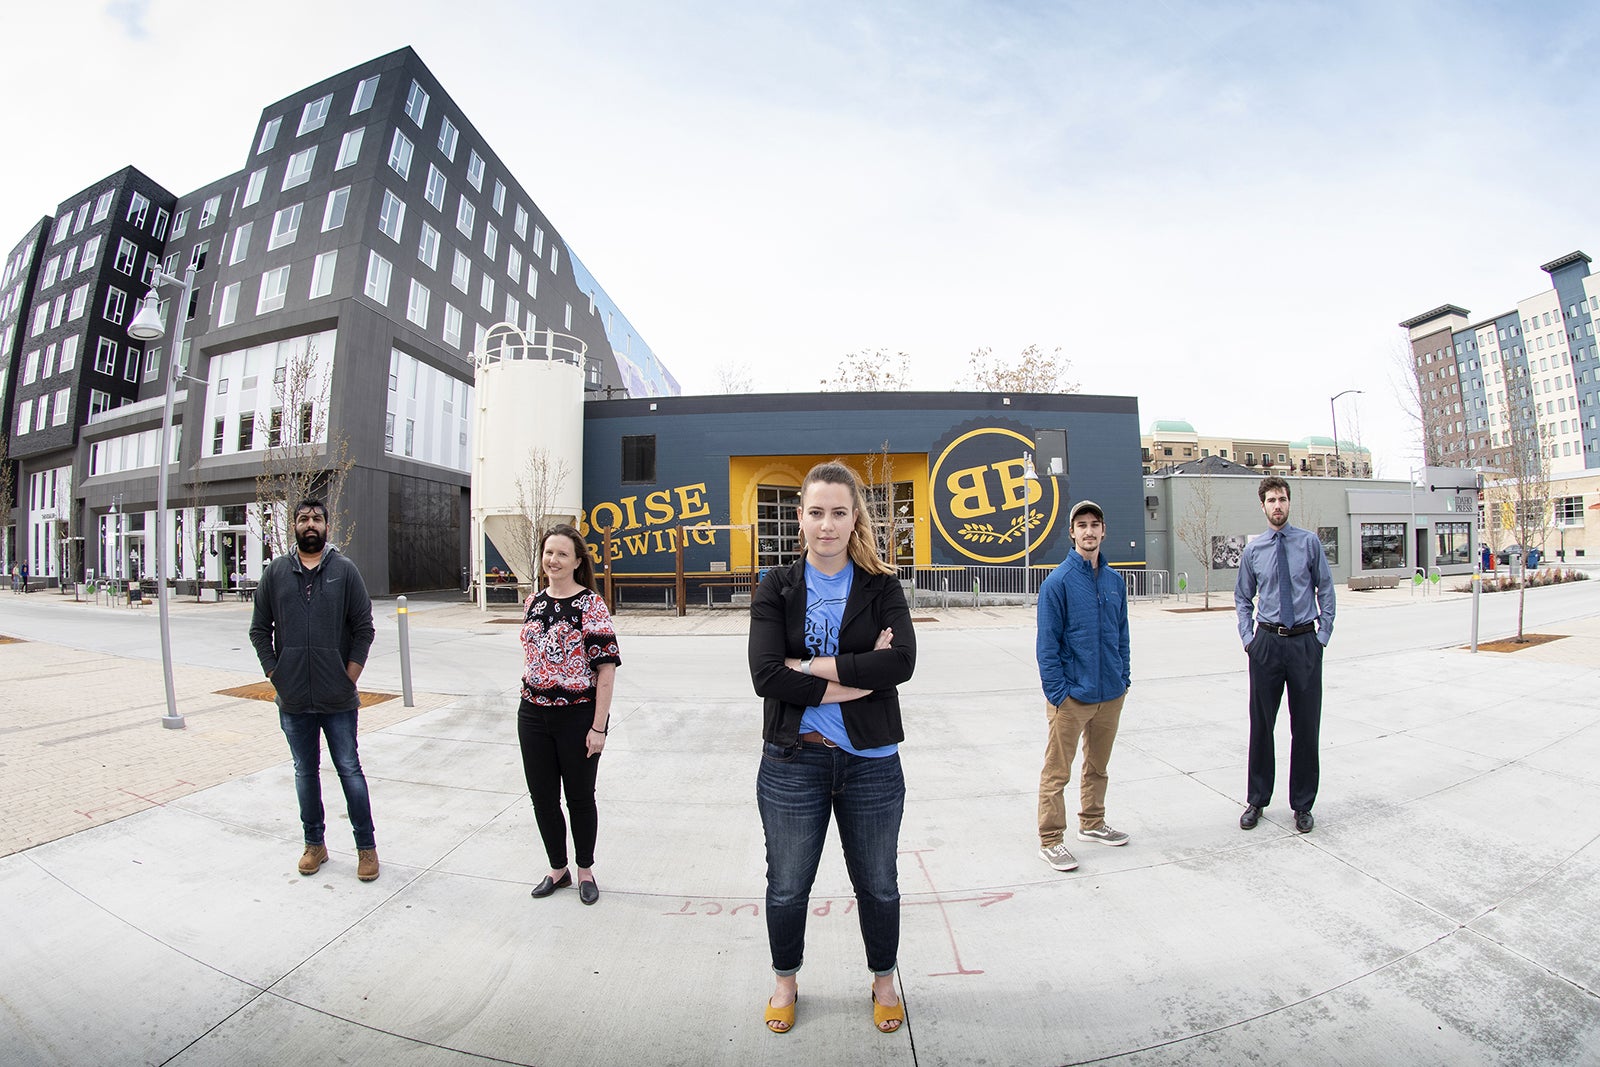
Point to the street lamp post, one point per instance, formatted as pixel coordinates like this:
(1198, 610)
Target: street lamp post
(1338, 464)
(1030, 477)
(147, 326)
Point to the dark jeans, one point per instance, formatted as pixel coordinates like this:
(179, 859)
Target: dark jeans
(1277, 663)
(555, 754)
(796, 789)
(304, 731)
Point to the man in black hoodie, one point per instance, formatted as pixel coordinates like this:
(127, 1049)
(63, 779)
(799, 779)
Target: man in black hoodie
(311, 630)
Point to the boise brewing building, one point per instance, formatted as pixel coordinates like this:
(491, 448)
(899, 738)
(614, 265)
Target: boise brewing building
(948, 468)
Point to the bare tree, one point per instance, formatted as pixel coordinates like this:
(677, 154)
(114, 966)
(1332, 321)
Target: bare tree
(1034, 371)
(1424, 425)
(1200, 522)
(1520, 500)
(870, 371)
(304, 457)
(735, 377)
(539, 488)
(880, 501)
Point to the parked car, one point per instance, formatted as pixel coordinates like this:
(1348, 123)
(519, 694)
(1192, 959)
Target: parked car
(1507, 552)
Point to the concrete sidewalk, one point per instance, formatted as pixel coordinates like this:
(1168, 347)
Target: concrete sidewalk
(1441, 913)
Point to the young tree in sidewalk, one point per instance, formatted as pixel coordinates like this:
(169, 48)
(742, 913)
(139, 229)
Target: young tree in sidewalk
(539, 486)
(1520, 499)
(1200, 522)
(8, 499)
(1424, 423)
(304, 457)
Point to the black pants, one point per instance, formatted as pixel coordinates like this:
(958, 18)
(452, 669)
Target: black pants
(1276, 663)
(555, 754)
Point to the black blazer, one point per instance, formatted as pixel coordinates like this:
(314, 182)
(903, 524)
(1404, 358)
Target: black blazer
(777, 632)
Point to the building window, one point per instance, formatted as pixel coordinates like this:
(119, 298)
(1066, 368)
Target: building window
(391, 217)
(777, 525)
(218, 428)
(322, 273)
(364, 94)
(1566, 510)
(116, 301)
(486, 293)
(208, 211)
(69, 353)
(417, 103)
(228, 306)
(568, 320)
(350, 148)
(521, 225)
(499, 197)
(197, 257)
(77, 227)
(538, 241)
(80, 302)
(378, 274)
(137, 206)
(98, 402)
(461, 272)
(491, 240)
(180, 226)
(428, 247)
(298, 172)
(639, 459)
(105, 356)
(417, 304)
(127, 255)
(314, 115)
(274, 427)
(400, 152)
(1383, 545)
(452, 326)
(269, 135)
(241, 243)
(102, 207)
(285, 227)
(448, 136)
(513, 263)
(333, 213)
(466, 216)
(152, 364)
(533, 282)
(274, 285)
(475, 170)
(306, 421)
(434, 191)
(1454, 543)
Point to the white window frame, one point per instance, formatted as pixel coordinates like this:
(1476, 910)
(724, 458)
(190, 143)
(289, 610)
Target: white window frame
(417, 304)
(428, 246)
(298, 170)
(269, 135)
(434, 191)
(285, 226)
(475, 169)
(228, 304)
(274, 290)
(452, 325)
(322, 269)
(241, 243)
(314, 114)
(337, 199)
(466, 217)
(449, 137)
(365, 91)
(461, 271)
(392, 216)
(380, 272)
(417, 103)
(401, 151)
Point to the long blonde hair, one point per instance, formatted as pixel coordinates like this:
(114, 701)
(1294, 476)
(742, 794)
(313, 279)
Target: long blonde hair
(863, 545)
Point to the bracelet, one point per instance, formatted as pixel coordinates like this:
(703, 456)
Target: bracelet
(597, 730)
(805, 665)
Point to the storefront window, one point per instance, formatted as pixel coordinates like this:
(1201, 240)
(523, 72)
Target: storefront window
(1454, 544)
(777, 525)
(897, 515)
(1329, 536)
(1383, 545)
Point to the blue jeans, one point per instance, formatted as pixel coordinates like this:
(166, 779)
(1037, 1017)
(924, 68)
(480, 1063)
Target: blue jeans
(796, 789)
(304, 730)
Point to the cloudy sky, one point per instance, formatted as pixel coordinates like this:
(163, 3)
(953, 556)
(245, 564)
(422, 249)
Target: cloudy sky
(1222, 208)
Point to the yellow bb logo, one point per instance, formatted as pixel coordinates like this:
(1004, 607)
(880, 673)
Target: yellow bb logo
(983, 506)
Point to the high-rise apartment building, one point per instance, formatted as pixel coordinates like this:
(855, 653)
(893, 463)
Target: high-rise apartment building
(1527, 373)
(369, 239)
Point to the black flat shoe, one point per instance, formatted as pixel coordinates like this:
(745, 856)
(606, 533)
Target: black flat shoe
(1251, 816)
(546, 887)
(1304, 821)
(588, 892)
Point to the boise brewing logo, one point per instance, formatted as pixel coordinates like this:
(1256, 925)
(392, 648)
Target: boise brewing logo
(978, 487)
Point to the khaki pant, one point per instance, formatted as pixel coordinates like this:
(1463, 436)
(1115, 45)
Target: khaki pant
(1097, 723)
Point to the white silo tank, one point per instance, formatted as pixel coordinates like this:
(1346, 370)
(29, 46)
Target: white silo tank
(529, 456)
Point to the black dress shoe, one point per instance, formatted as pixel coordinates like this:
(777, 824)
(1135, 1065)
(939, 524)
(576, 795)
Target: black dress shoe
(588, 892)
(1304, 821)
(546, 887)
(1251, 816)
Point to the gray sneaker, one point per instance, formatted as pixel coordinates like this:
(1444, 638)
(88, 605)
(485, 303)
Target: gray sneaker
(1058, 857)
(1103, 834)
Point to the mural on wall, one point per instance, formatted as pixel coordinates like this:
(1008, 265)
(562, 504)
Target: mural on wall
(645, 524)
(1227, 550)
(978, 489)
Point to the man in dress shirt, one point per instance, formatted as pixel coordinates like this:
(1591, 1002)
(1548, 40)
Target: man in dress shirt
(1284, 598)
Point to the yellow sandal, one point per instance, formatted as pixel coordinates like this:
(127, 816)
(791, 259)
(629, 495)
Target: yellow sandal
(883, 1014)
(781, 1020)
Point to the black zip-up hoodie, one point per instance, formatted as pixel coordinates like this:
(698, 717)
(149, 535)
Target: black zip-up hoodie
(777, 632)
(304, 642)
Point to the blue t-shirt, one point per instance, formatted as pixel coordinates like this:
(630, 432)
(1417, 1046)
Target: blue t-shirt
(825, 599)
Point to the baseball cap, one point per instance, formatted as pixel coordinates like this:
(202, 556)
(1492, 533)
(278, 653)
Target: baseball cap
(1084, 505)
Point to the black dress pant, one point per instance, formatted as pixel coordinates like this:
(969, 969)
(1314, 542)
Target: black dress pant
(555, 754)
(1279, 663)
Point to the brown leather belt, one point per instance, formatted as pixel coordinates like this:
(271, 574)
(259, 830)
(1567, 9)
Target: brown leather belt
(817, 739)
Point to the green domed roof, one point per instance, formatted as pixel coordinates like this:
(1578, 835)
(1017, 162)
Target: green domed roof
(1170, 426)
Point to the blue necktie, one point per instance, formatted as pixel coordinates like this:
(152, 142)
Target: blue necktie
(1285, 601)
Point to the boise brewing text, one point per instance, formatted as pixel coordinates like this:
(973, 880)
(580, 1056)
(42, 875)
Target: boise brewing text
(646, 530)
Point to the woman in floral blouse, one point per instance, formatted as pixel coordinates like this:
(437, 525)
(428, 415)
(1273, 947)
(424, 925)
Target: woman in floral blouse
(570, 662)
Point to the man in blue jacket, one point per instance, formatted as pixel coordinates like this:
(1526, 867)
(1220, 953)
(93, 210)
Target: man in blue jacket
(1082, 648)
(312, 629)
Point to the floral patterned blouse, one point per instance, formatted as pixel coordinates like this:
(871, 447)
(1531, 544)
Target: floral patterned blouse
(564, 642)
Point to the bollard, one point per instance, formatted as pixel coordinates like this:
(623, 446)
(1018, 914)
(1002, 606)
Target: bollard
(403, 616)
(1477, 587)
(975, 592)
(944, 592)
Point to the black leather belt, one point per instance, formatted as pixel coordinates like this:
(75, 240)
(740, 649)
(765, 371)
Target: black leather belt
(817, 739)
(1291, 631)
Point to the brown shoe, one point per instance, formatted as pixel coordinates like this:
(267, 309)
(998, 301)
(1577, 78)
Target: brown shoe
(313, 857)
(366, 864)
